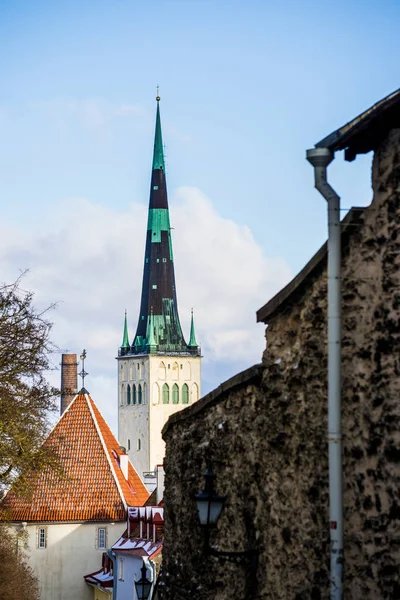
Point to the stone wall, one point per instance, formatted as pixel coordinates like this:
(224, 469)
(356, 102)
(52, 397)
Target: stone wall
(265, 433)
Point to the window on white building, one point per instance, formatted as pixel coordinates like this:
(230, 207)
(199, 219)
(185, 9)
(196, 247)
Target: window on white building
(121, 569)
(101, 538)
(42, 538)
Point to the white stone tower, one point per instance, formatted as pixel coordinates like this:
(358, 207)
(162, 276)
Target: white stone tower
(159, 373)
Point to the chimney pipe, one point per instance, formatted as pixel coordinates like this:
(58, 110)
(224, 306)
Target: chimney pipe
(123, 463)
(69, 380)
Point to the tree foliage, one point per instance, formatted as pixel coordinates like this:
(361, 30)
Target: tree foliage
(17, 579)
(25, 395)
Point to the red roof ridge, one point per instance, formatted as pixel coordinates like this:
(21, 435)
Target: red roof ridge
(89, 400)
(95, 487)
(134, 481)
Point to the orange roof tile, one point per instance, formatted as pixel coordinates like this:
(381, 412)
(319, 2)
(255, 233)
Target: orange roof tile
(93, 487)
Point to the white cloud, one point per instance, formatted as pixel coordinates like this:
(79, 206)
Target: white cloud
(90, 258)
(95, 116)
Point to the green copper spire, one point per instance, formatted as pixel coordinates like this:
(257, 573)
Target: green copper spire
(158, 153)
(151, 338)
(125, 340)
(192, 341)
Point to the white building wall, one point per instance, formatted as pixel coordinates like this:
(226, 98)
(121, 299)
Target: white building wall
(71, 552)
(131, 572)
(145, 421)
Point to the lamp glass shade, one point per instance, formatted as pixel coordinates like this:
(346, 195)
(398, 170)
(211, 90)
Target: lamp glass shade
(209, 508)
(143, 589)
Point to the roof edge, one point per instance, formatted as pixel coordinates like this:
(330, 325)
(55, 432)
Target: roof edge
(251, 374)
(273, 306)
(88, 399)
(343, 137)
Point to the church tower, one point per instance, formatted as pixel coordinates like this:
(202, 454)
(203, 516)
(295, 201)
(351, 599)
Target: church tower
(158, 373)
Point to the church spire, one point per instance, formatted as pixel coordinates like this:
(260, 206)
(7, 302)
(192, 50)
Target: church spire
(159, 328)
(192, 341)
(125, 340)
(158, 152)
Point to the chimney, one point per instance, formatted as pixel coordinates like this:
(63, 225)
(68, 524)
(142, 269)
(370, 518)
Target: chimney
(160, 483)
(69, 380)
(123, 463)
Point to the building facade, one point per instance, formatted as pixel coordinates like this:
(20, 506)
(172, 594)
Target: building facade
(71, 518)
(265, 430)
(158, 373)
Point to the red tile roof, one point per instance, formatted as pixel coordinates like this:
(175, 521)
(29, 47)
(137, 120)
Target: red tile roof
(93, 487)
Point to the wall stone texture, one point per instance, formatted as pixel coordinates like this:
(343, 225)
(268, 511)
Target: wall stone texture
(265, 433)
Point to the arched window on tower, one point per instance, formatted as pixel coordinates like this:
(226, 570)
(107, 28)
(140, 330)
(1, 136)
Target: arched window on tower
(122, 394)
(175, 394)
(156, 394)
(175, 371)
(185, 394)
(128, 394)
(165, 393)
(134, 394)
(144, 393)
(161, 370)
(195, 392)
(139, 394)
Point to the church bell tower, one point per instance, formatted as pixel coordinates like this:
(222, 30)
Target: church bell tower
(158, 373)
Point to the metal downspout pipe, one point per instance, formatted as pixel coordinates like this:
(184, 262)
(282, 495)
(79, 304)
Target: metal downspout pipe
(320, 158)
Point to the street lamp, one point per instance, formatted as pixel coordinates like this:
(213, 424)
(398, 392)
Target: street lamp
(143, 585)
(209, 505)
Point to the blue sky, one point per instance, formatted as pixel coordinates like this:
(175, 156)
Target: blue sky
(246, 88)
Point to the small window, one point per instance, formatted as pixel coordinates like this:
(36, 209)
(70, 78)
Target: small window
(142, 317)
(169, 366)
(42, 542)
(165, 393)
(155, 187)
(129, 444)
(139, 444)
(101, 538)
(154, 287)
(147, 260)
(175, 394)
(128, 394)
(164, 260)
(181, 366)
(185, 394)
(121, 569)
(158, 260)
(140, 394)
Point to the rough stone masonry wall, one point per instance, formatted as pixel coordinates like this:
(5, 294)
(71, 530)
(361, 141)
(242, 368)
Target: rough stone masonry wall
(267, 438)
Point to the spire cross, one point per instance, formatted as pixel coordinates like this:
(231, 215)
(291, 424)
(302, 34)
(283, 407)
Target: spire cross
(158, 94)
(83, 373)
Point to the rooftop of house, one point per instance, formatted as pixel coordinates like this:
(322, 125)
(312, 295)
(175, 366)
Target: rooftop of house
(93, 486)
(363, 133)
(100, 577)
(290, 293)
(144, 535)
